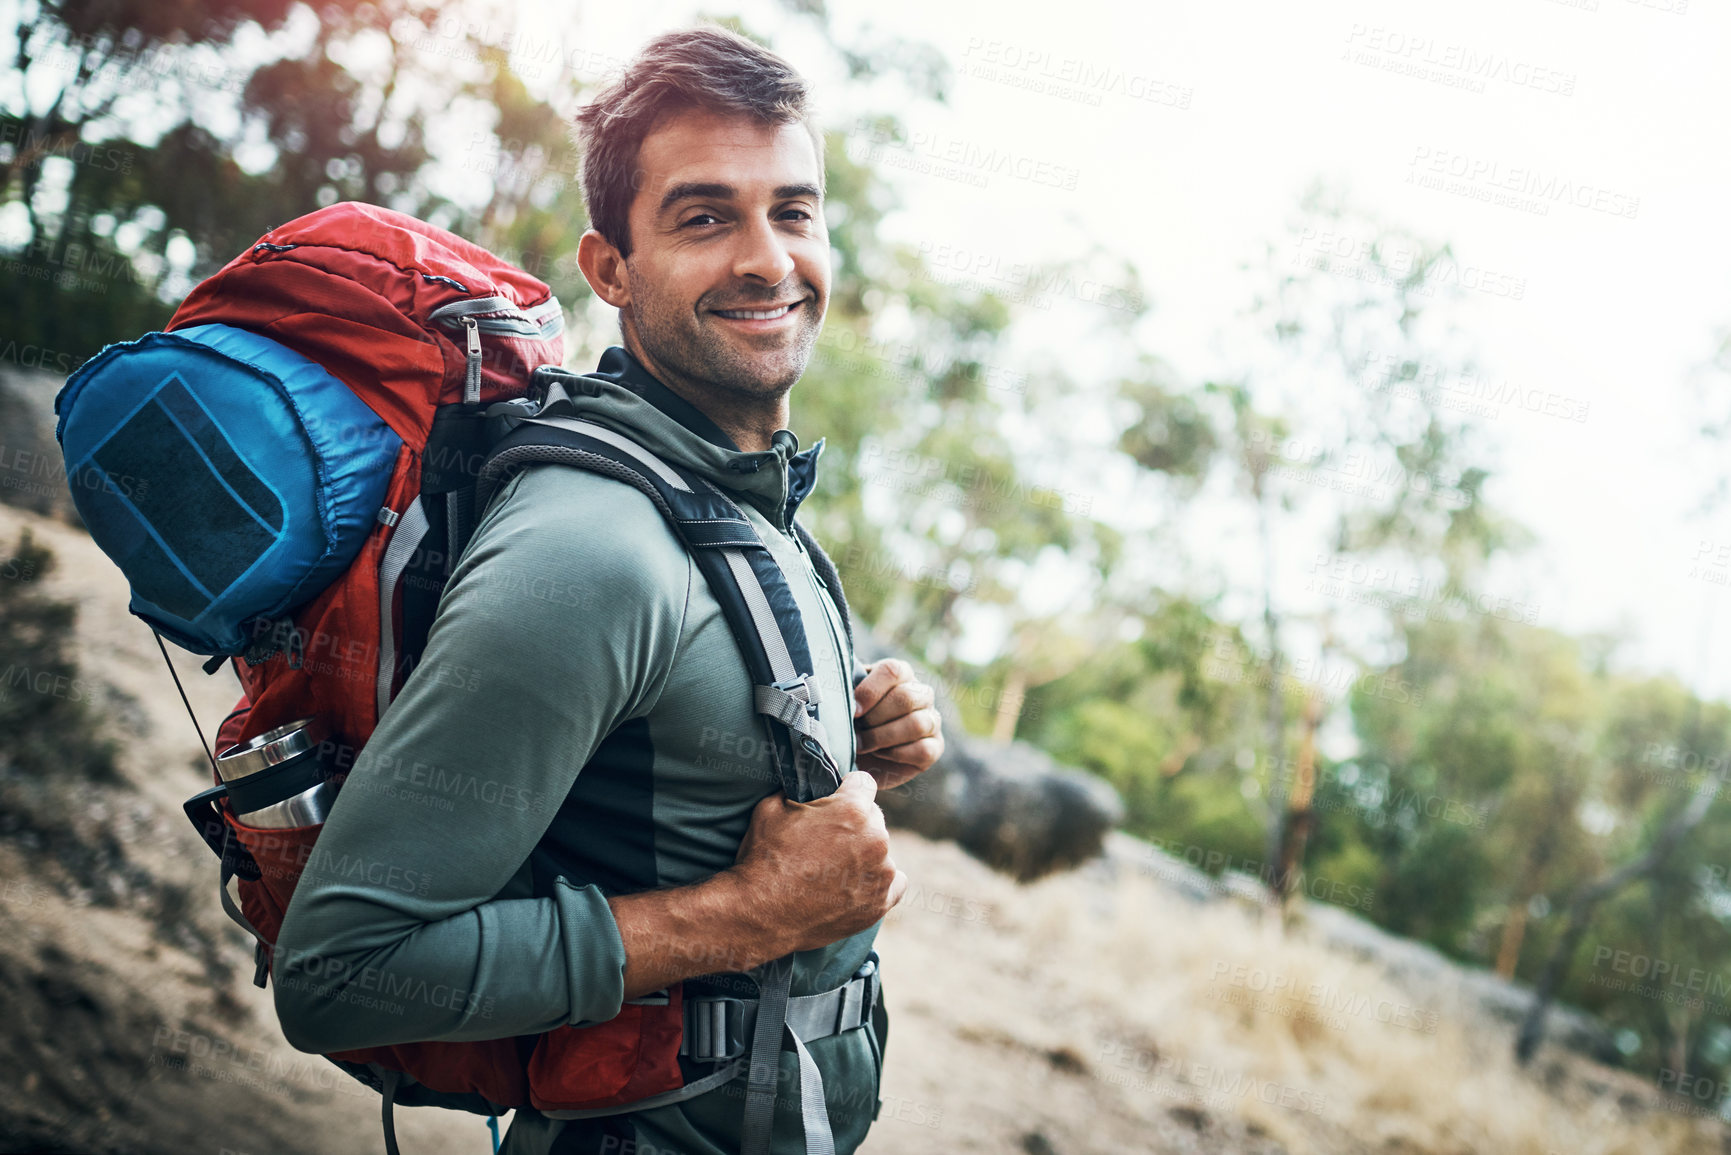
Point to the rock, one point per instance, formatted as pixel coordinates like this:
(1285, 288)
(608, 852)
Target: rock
(32, 475)
(1007, 804)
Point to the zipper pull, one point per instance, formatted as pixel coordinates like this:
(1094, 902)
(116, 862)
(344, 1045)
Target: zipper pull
(472, 377)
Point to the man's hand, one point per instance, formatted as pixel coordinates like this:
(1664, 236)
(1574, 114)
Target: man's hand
(899, 730)
(820, 871)
(807, 875)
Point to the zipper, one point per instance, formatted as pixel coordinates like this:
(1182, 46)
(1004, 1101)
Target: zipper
(500, 316)
(472, 369)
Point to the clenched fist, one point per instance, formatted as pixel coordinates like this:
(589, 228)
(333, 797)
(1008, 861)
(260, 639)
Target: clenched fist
(820, 871)
(896, 723)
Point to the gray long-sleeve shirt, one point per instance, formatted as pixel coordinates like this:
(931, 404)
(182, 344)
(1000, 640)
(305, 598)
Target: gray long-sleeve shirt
(580, 725)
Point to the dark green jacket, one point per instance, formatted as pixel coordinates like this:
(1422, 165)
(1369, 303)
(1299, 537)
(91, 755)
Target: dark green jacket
(580, 725)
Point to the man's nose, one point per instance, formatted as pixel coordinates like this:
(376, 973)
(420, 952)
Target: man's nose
(762, 256)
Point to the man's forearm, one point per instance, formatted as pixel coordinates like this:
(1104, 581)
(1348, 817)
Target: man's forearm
(714, 926)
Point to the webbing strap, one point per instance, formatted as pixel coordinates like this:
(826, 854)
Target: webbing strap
(718, 1027)
(762, 617)
(410, 531)
(812, 1112)
(389, 1091)
(229, 908)
(702, 1086)
(764, 1062)
(790, 709)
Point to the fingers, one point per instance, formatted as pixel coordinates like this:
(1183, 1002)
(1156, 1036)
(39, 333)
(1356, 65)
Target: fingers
(898, 887)
(857, 783)
(919, 725)
(921, 755)
(884, 676)
(903, 698)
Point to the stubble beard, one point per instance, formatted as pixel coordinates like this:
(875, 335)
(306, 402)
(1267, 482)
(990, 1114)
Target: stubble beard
(679, 339)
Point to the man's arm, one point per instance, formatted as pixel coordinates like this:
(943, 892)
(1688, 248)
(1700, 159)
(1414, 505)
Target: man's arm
(548, 637)
(808, 875)
(553, 631)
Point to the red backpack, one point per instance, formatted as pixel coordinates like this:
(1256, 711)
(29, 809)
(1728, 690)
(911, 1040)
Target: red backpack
(437, 338)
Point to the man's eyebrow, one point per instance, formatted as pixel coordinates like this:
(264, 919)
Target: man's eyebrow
(712, 190)
(690, 189)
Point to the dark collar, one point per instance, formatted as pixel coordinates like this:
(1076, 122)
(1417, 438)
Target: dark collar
(620, 366)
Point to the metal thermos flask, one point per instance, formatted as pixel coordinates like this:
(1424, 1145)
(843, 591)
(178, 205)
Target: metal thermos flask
(278, 776)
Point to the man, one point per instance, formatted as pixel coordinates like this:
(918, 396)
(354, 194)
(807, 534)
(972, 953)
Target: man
(572, 792)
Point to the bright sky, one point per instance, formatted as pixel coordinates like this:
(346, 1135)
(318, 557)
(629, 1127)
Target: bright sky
(1189, 130)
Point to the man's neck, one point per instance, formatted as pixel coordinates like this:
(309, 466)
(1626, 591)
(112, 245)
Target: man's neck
(750, 421)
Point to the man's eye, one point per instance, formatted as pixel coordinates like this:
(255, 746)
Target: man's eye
(795, 215)
(699, 219)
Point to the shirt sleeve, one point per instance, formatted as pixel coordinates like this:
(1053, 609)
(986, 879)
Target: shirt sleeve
(560, 623)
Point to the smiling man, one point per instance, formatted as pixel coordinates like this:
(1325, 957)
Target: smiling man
(647, 846)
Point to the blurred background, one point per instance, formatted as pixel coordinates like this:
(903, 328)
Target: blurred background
(1292, 438)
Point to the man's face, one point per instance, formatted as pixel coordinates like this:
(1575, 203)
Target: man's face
(729, 266)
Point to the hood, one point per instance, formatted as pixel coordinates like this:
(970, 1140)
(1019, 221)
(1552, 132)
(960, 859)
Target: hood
(631, 401)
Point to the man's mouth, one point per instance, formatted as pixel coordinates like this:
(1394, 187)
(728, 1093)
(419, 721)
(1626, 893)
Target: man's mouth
(770, 313)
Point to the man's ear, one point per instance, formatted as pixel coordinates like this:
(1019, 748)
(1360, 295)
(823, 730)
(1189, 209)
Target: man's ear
(604, 269)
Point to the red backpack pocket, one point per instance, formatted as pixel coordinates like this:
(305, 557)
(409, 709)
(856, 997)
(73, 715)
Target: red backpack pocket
(629, 1057)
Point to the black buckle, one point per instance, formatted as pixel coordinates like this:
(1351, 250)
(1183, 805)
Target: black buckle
(204, 811)
(704, 1029)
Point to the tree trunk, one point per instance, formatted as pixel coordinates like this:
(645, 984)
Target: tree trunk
(1587, 899)
(1275, 702)
(1010, 705)
(1300, 812)
(1514, 930)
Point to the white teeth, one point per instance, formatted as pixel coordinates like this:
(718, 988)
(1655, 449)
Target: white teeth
(755, 314)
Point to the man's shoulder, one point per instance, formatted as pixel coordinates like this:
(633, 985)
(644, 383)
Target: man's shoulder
(561, 524)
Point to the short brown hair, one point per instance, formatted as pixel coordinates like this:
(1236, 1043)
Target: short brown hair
(706, 67)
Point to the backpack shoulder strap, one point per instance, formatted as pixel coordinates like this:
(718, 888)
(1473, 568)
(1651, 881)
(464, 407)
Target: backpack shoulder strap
(738, 567)
(831, 578)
